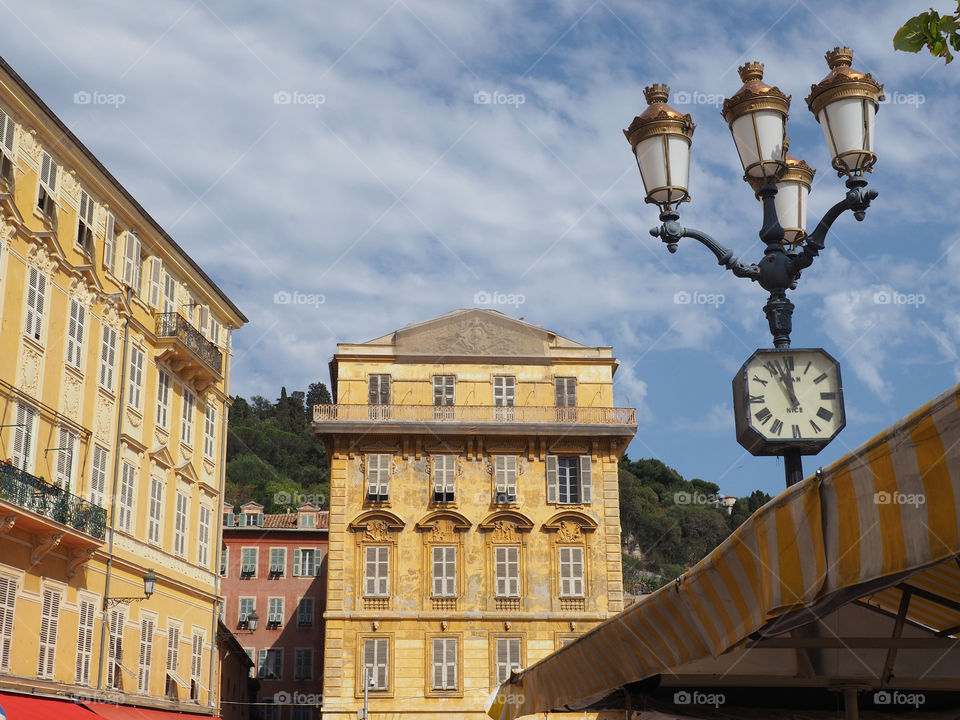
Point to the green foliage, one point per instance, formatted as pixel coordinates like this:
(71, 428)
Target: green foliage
(932, 31)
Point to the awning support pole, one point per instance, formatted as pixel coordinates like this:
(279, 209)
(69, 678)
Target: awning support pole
(850, 700)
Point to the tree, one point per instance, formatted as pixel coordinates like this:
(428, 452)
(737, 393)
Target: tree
(317, 394)
(932, 31)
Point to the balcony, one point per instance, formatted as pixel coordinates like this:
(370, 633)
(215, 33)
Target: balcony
(455, 419)
(53, 515)
(190, 354)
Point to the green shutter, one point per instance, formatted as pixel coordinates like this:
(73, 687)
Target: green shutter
(586, 483)
(552, 491)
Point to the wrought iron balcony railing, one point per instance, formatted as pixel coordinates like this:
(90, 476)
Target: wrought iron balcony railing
(174, 325)
(31, 493)
(476, 414)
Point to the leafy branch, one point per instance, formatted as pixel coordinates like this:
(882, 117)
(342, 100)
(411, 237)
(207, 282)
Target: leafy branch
(932, 31)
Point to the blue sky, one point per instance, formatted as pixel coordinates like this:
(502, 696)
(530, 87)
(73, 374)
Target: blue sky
(339, 151)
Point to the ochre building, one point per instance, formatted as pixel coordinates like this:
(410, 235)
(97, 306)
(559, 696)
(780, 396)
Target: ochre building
(114, 390)
(474, 516)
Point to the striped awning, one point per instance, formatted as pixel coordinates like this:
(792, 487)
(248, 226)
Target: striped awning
(878, 524)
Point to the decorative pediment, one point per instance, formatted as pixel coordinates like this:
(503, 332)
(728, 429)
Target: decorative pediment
(162, 457)
(376, 525)
(443, 525)
(506, 526)
(186, 471)
(473, 332)
(570, 525)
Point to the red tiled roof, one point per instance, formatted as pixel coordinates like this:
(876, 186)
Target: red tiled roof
(288, 521)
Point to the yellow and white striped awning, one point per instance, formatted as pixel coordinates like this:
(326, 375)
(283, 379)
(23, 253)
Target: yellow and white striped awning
(880, 522)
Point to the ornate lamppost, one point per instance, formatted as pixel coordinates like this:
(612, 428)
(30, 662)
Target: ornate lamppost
(786, 402)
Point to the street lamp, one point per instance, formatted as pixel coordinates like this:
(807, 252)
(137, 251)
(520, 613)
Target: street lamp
(149, 584)
(845, 103)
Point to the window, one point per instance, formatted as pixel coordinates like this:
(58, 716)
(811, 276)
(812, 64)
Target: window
(571, 572)
(304, 664)
(378, 396)
(377, 571)
(66, 458)
(275, 611)
(48, 186)
(209, 431)
(215, 328)
(49, 620)
(146, 654)
(156, 511)
(504, 397)
(307, 520)
(566, 390)
(305, 612)
(180, 526)
(508, 657)
(444, 478)
(173, 648)
(22, 451)
(505, 478)
(568, 480)
(270, 664)
(7, 129)
(115, 649)
(186, 419)
(108, 356)
(85, 223)
(169, 294)
(203, 319)
(163, 398)
(110, 243)
(196, 656)
(278, 561)
(224, 555)
(136, 377)
(8, 603)
(36, 300)
(156, 282)
(444, 570)
(98, 475)
(305, 563)
(203, 537)
(84, 642)
(248, 561)
(507, 569)
(125, 505)
(378, 477)
(444, 663)
(443, 387)
(246, 609)
(78, 315)
(131, 262)
(375, 659)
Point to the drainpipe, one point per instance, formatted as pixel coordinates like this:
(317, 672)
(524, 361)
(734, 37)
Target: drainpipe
(113, 495)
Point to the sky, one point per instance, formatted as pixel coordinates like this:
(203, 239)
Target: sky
(344, 169)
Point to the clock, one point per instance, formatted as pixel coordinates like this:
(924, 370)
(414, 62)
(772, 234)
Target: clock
(788, 401)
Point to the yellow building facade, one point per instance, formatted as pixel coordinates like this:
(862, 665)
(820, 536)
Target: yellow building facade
(474, 512)
(114, 391)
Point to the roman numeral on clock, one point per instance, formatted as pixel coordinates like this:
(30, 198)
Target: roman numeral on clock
(796, 432)
(777, 427)
(763, 416)
(825, 414)
(755, 399)
(757, 379)
(820, 378)
(816, 428)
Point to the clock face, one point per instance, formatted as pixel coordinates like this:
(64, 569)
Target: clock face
(788, 400)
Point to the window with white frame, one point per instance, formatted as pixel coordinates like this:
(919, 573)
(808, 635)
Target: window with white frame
(278, 561)
(196, 656)
(571, 572)
(444, 570)
(203, 536)
(566, 391)
(78, 316)
(505, 478)
(378, 390)
(376, 570)
(98, 475)
(569, 479)
(132, 261)
(444, 478)
(224, 558)
(135, 389)
(209, 430)
(147, 628)
(270, 663)
(506, 560)
(378, 477)
(303, 669)
(156, 282)
(443, 396)
(275, 611)
(156, 511)
(36, 302)
(163, 398)
(444, 663)
(305, 612)
(23, 433)
(66, 458)
(85, 223)
(504, 396)
(7, 155)
(49, 621)
(108, 356)
(305, 562)
(180, 526)
(173, 647)
(47, 190)
(110, 243)
(247, 606)
(128, 475)
(169, 294)
(186, 417)
(8, 605)
(508, 657)
(248, 561)
(215, 330)
(118, 619)
(376, 658)
(86, 611)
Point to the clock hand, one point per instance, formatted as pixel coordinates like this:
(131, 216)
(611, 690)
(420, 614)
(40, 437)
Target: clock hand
(790, 388)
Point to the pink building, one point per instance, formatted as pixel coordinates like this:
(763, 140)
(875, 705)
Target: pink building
(274, 588)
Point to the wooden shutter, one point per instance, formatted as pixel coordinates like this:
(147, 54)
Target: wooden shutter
(84, 643)
(156, 280)
(173, 648)
(586, 482)
(36, 298)
(23, 438)
(379, 390)
(108, 342)
(131, 262)
(48, 173)
(197, 660)
(109, 243)
(296, 562)
(75, 333)
(146, 655)
(552, 486)
(49, 619)
(6, 134)
(8, 601)
(204, 320)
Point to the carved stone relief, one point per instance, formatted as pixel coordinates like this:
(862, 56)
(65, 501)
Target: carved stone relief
(505, 531)
(471, 336)
(569, 531)
(376, 531)
(104, 417)
(72, 394)
(29, 370)
(443, 531)
(40, 258)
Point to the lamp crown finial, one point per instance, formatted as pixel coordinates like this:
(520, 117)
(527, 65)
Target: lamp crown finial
(656, 93)
(839, 57)
(751, 71)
